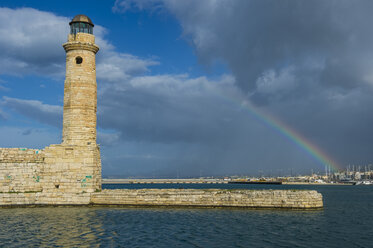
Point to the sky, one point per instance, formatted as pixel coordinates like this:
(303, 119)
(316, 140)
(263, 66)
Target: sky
(199, 88)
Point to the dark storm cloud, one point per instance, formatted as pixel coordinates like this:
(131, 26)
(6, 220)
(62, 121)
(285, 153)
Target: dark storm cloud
(253, 37)
(307, 62)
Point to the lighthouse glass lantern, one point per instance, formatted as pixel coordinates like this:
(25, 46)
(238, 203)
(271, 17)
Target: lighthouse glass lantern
(81, 24)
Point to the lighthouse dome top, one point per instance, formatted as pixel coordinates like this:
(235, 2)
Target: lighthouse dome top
(81, 18)
(81, 24)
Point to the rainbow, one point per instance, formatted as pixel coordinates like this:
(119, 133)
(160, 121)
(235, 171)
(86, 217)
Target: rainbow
(288, 133)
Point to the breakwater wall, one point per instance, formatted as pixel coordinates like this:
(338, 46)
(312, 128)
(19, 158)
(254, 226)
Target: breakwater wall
(165, 181)
(270, 199)
(291, 199)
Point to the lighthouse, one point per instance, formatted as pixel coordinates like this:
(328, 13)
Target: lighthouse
(75, 164)
(80, 92)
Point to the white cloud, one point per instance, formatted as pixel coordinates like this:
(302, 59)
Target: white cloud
(114, 66)
(34, 109)
(179, 84)
(31, 43)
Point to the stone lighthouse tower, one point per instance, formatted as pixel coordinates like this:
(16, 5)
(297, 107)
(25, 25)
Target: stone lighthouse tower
(74, 165)
(80, 98)
(69, 172)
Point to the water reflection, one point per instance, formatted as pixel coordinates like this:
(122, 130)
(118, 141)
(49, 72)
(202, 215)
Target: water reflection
(344, 222)
(144, 227)
(49, 226)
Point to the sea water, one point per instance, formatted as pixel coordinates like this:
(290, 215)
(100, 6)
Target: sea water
(345, 221)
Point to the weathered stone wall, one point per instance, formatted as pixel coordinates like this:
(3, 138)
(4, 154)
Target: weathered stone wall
(42, 198)
(292, 199)
(72, 169)
(20, 169)
(56, 169)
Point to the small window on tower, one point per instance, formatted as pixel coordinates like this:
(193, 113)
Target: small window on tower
(79, 60)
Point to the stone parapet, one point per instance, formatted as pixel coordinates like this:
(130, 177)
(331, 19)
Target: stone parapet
(14, 155)
(80, 46)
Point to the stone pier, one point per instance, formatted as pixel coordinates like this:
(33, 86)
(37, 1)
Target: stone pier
(201, 198)
(238, 198)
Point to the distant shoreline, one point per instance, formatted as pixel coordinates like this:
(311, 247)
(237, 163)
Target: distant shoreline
(195, 181)
(163, 181)
(305, 183)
